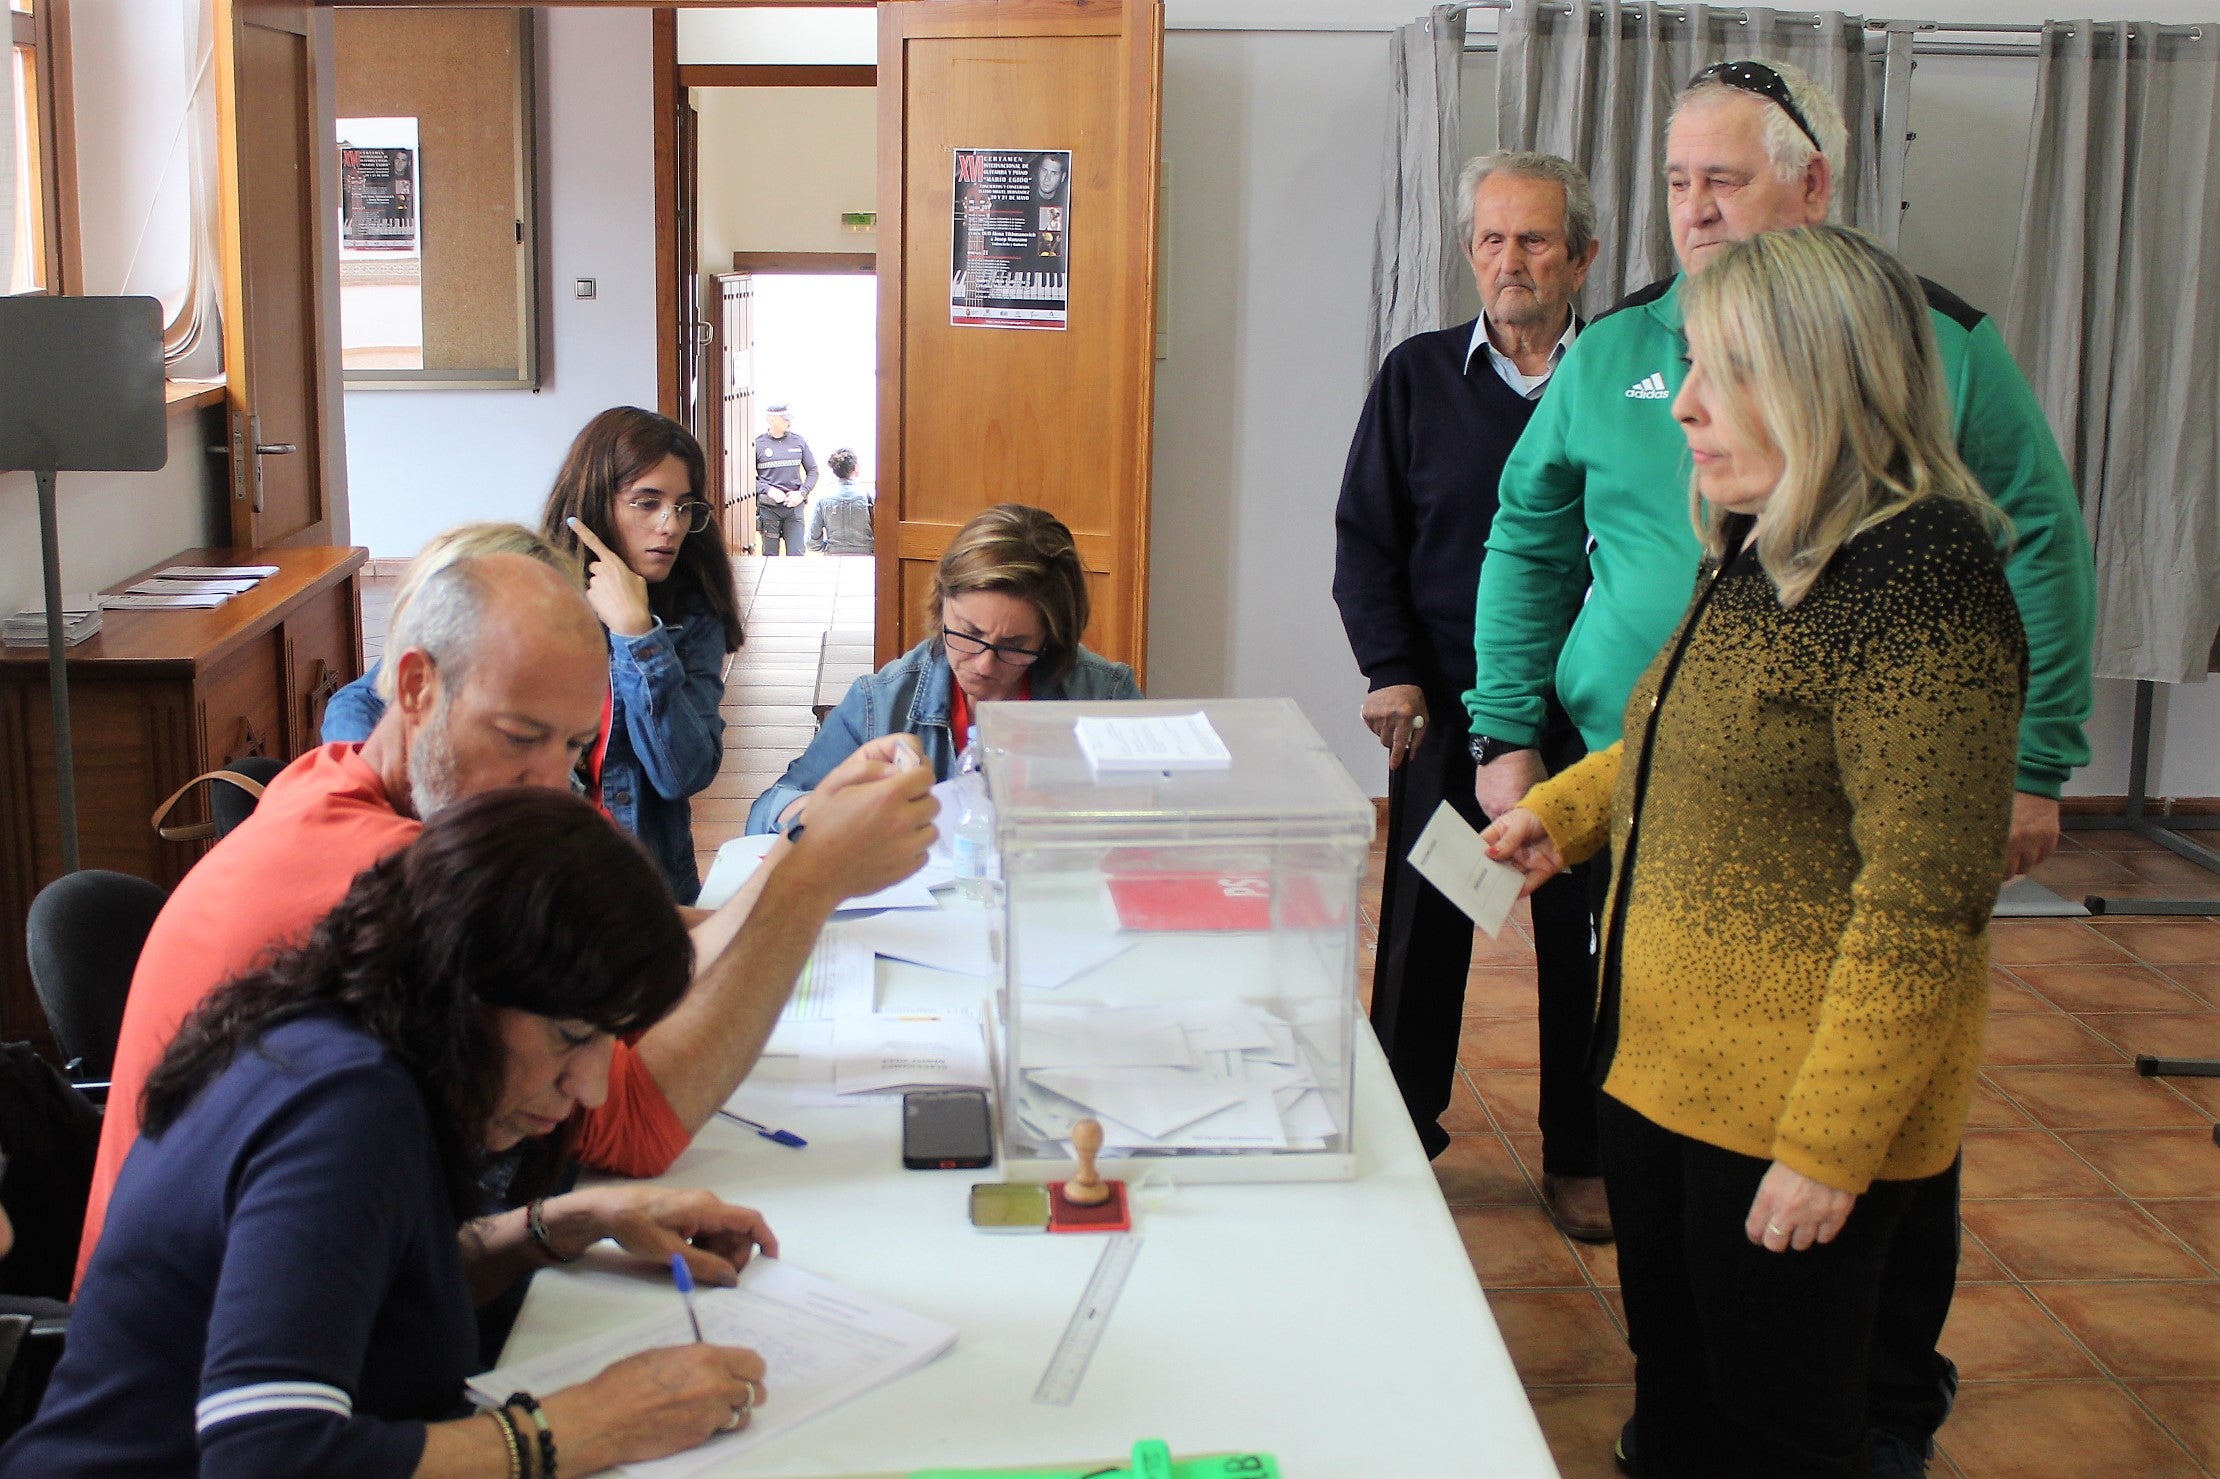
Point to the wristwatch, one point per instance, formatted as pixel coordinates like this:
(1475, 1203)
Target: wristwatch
(1487, 750)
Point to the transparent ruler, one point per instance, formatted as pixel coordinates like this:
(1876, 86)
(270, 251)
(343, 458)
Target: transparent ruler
(1060, 1382)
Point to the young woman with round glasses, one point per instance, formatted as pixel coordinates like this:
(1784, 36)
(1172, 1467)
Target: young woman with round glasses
(630, 503)
(1003, 618)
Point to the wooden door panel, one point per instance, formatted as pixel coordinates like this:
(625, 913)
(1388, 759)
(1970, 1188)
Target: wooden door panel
(242, 709)
(1058, 418)
(322, 655)
(274, 102)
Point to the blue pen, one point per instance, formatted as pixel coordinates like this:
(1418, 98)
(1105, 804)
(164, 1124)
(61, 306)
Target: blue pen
(783, 1137)
(684, 1278)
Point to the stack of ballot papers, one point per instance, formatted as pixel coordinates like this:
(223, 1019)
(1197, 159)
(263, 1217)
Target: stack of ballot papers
(80, 619)
(1199, 1076)
(1150, 742)
(190, 587)
(825, 1345)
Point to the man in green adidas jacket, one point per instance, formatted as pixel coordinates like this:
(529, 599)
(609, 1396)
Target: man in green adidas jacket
(1604, 459)
(1750, 149)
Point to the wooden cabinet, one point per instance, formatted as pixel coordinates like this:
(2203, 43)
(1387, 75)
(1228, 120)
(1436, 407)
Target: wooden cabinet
(156, 698)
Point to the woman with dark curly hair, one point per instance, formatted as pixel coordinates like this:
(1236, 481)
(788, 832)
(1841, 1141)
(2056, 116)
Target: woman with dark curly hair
(287, 1278)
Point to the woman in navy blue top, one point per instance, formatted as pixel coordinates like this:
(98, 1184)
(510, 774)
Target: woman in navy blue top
(286, 1282)
(630, 504)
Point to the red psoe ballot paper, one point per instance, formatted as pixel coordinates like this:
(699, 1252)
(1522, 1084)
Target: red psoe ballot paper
(1450, 856)
(1192, 894)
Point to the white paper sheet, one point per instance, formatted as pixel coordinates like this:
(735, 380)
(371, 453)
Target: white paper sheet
(1080, 1036)
(888, 1053)
(1140, 743)
(959, 940)
(1155, 1101)
(824, 1345)
(1451, 856)
(838, 981)
(738, 859)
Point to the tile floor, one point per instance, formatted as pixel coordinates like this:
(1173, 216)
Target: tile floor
(2087, 1325)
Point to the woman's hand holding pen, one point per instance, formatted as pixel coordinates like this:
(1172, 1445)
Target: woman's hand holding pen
(658, 1402)
(716, 1238)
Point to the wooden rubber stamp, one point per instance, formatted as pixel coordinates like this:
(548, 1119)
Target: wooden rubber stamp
(1087, 1202)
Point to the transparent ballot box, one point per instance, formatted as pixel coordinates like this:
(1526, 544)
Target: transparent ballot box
(1180, 958)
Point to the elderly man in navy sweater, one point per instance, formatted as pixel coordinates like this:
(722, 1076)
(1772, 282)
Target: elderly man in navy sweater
(1417, 500)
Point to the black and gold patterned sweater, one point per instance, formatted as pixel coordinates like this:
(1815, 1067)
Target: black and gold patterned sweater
(1809, 814)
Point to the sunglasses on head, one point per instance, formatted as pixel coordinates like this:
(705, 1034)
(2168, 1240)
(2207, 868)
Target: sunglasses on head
(1762, 81)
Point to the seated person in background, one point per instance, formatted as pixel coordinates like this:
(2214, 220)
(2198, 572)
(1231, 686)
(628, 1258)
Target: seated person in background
(356, 709)
(287, 1282)
(1007, 605)
(840, 521)
(629, 505)
(499, 674)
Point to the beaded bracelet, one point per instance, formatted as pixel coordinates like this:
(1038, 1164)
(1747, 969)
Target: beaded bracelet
(531, 1406)
(537, 1227)
(509, 1435)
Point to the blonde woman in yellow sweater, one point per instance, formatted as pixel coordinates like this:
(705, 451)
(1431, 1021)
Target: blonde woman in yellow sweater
(1810, 811)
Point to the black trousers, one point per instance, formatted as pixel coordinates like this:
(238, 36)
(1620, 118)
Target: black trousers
(1909, 1383)
(1418, 979)
(1747, 1362)
(773, 523)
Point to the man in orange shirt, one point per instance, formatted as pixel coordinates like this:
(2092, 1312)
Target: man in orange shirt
(500, 676)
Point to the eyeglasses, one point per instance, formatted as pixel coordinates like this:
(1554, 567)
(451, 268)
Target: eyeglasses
(655, 510)
(970, 646)
(1762, 81)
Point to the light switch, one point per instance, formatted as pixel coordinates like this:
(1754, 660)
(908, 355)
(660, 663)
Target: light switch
(582, 287)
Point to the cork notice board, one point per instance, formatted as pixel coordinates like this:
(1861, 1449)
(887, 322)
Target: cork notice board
(465, 77)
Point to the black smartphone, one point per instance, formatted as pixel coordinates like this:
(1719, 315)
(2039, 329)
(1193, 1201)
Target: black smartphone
(946, 1130)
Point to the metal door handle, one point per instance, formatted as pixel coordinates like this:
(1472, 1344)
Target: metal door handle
(274, 449)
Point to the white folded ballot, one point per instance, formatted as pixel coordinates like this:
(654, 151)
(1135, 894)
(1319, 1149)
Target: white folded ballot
(826, 1345)
(1146, 742)
(80, 619)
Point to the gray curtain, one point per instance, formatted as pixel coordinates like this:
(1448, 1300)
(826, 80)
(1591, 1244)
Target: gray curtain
(1593, 81)
(2115, 315)
(1414, 255)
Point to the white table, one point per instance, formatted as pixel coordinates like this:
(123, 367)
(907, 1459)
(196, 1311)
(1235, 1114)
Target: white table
(1335, 1325)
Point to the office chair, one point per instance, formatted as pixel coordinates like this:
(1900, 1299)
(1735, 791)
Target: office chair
(83, 937)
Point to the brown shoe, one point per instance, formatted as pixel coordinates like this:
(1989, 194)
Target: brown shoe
(1577, 1205)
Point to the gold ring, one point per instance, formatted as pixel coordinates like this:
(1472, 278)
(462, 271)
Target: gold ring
(754, 1395)
(732, 1423)
(1775, 1227)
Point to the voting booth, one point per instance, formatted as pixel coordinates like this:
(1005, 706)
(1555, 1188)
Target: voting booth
(1180, 938)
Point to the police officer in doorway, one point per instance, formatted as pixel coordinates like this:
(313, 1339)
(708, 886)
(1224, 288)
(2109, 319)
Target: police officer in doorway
(785, 471)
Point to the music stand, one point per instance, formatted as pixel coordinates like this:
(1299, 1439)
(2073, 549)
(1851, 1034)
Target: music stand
(81, 390)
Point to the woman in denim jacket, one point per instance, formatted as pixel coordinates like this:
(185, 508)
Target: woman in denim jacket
(628, 503)
(1008, 603)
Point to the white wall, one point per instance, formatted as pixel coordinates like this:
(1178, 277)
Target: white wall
(779, 35)
(419, 461)
(1272, 147)
(779, 165)
(112, 524)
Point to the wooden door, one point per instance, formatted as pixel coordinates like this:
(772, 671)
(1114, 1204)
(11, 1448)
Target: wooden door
(1060, 418)
(736, 352)
(280, 219)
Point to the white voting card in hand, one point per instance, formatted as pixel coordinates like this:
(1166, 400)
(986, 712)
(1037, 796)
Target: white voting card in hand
(1451, 856)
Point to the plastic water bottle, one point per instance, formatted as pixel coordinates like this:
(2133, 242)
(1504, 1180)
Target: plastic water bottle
(973, 843)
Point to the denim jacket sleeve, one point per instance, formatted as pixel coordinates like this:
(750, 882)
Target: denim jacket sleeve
(842, 734)
(669, 682)
(355, 710)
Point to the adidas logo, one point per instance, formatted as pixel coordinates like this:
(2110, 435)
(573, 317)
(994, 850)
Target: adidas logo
(1650, 387)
